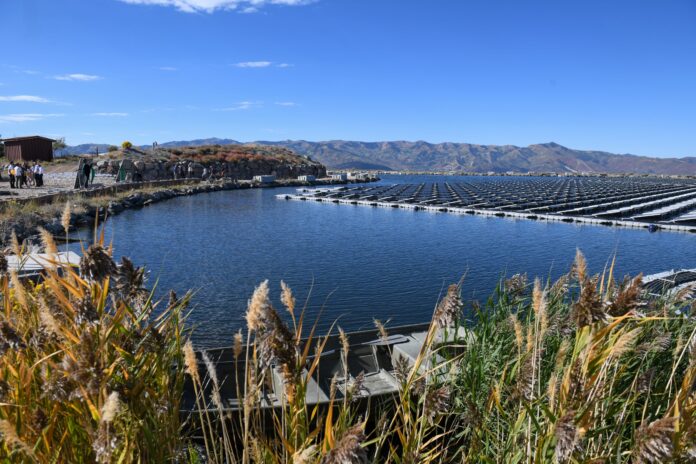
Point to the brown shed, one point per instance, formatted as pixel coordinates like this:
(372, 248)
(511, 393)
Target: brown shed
(29, 148)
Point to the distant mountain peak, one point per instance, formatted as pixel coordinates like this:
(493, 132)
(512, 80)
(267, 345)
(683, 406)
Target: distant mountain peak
(450, 156)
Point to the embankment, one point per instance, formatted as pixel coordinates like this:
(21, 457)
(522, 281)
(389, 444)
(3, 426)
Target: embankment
(24, 217)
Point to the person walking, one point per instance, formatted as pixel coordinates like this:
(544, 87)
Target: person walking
(11, 174)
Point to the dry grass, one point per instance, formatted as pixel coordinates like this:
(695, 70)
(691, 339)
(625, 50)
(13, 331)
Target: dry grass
(580, 370)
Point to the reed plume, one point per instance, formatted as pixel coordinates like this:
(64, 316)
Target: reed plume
(111, 408)
(287, 298)
(65, 218)
(567, 437)
(449, 309)
(47, 241)
(258, 308)
(348, 450)
(653, 442)
(96, 263)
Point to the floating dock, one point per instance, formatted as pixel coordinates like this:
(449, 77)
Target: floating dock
(649, 203)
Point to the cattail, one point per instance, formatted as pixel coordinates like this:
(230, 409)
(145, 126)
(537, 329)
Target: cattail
(449, 309)
(11, 439)
(436, 403)
(191, 362)
(653, 443)
(348, 449)
(258, 308)
(48, 242)
(238, 346)
(96, 263)
(567, 437)
(111, 408)
(287, 298)
(65, 218)
(212, 373)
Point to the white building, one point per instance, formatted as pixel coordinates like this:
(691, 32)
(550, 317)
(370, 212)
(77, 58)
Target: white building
(265, 179)
(340, 176)
(306, 178)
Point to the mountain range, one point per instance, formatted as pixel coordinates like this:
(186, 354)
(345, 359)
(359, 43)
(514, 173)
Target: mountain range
(448, 156)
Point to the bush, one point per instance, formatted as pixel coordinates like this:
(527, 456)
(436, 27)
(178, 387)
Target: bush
(126, 145)
(113, 148)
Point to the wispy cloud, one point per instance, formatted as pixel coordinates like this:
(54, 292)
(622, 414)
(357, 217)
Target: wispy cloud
(286, 103)
(210, 6)
(114, 115)
(168, 68)
(254, 64)
(77, 77)
(243, 105)
(24, 98)
(285, 65)
(26, 117)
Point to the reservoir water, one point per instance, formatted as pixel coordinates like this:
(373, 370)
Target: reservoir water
(360, 263)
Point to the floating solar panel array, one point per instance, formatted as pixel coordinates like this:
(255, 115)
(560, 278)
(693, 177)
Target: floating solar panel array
(634, 202)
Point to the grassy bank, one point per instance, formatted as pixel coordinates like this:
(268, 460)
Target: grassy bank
(579, 370)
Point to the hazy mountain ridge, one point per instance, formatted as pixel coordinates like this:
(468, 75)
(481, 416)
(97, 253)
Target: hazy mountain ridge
(449, 156)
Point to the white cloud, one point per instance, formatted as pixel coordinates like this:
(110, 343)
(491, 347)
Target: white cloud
(26, 117)
(24, 98)
(168, 68)
(284, 65)
(122, 115)
(77, 77)
(209, 6)
(253, 64)
(244, 105)
(286, 103)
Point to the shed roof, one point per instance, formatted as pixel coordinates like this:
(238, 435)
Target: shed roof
(27, 137)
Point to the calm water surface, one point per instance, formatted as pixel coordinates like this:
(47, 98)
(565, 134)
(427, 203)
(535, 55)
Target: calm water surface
(360, 263)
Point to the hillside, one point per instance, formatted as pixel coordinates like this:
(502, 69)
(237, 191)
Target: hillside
(424, 156)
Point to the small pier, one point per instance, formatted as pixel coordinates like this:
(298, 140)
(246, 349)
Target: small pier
(649, 203)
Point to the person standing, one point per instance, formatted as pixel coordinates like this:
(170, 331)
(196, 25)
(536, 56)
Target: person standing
(19, 174)
(38, 174)
(86, 171)
(11, 174)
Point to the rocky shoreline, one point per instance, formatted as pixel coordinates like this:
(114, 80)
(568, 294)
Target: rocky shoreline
(26, 228)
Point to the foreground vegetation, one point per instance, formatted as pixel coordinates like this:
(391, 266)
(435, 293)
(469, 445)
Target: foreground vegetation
(580, 370)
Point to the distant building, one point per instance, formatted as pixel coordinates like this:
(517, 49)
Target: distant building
(265, 179)
(306, 178)
(339, 176)
(31, 148)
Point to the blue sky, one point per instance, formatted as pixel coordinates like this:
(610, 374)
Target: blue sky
(617, 76)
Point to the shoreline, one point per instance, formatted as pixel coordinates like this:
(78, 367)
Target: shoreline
(87, 205)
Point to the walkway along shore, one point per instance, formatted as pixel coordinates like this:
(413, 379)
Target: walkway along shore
(25, 216)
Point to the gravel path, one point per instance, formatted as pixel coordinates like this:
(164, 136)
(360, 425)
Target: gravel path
(54, 182)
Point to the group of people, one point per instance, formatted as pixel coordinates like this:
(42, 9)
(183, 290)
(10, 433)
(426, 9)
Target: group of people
(23, 175)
